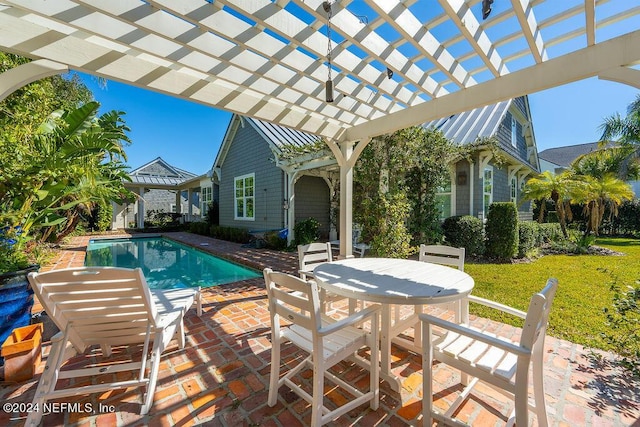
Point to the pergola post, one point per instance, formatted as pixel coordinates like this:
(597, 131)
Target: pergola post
(20, 76)
(346, 200)
(290, 198)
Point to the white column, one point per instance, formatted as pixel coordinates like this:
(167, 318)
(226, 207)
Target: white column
(291, 199)
(346, 200)
(141, 207)
(17, 77)
(189, 205)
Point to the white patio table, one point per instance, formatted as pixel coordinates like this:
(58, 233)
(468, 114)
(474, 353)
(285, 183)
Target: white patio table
(395, 281)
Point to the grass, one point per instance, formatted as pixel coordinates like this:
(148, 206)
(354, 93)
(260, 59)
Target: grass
(583, 291)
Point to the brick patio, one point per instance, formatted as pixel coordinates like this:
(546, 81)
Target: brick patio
(221, 376)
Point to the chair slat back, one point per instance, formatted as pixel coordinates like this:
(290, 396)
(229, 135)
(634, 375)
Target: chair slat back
(293, 299)
(100, 305)
(313, 254)
(444, 255)
(535, 324)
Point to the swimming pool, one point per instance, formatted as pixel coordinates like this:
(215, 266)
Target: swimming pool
(166, 264)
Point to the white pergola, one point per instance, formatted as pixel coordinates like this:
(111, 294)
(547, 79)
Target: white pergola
(394, 63)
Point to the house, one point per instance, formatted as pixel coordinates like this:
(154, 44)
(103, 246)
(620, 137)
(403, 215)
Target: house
(559, 159)
(263, 179)
(266, 177)
(160, 187)
(480, 181)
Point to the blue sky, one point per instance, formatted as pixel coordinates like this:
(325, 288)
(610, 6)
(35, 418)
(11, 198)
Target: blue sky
(188, 135)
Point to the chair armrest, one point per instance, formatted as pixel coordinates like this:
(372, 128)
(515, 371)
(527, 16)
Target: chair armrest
(351, 320)
(477, 335)
(498, 306)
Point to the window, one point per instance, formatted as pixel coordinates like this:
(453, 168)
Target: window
(514, 189)
(206, 197)
(487, 190)
(443, 200)
(244, 195)
(514, 131)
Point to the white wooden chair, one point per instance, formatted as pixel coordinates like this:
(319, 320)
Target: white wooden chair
(106, 307)
(443, 255)
(496, 361)
(327, 341)
(356, 245)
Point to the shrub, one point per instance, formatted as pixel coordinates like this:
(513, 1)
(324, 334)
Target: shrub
(392, 239)
(306, 231)
(274, 241)
(502, 230)
(213, 213)
(465, 232)
(628, 219)
(199, 228)
(549, 233)
(528, 237)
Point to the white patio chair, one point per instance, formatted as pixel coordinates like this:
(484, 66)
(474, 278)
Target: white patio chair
(357, 246)
(327, 341)
(436, 254)
(312, 255)
(106, 307)
(498, 362)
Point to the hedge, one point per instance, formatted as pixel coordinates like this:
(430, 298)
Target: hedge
(465, 232)
(502, 230)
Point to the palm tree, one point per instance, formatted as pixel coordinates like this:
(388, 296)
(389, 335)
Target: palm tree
(626, 132)
(597, 194)
(608, 160)
(548, 186)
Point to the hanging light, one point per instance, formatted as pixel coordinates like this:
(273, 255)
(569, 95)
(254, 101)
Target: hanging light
(486, 8)
(328, 86)
(389, 73)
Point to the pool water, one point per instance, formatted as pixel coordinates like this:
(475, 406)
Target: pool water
(166, 264)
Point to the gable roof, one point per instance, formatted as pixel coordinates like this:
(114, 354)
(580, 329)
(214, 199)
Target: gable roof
(466, 127)
(174, 175)
(564, 156)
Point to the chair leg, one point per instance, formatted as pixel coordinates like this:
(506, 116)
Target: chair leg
(318, 393)
(181, 334)
(538, 388)
(275, 370)
(153, 376)
(522, 395)
(427, 373)
(374, 371)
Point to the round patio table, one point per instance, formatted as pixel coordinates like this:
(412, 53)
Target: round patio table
(395, 281)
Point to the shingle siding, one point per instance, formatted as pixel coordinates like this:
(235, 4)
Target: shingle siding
(462, 191)
(312, 200)
(250, 153)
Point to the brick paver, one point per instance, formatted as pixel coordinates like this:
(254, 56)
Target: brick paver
(221, 377)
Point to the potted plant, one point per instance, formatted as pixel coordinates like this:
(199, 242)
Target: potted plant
(16, 296)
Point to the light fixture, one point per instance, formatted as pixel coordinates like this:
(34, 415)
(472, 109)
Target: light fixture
(389, 73)
(486, 8)
(328, 86)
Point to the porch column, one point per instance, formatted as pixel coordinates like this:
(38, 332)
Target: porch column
(189, 205)
(178, 201)
(141, 207)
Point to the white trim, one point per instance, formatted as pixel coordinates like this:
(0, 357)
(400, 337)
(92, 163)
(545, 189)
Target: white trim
(244, 197)
(486, 208)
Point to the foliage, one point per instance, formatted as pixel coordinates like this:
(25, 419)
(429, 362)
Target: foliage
(391, 238)
(274, 241)
(628, 219)
(501, 230)
(465, 231)
(576, 314)
(13, 256)
(549, 233)
(316, 149)
(100, 217)
(528, 237)
(160, 218)
(582, 243)
(557, 188)
(608, 160)
(626, 131)
(597, 194)
(623, 321)
(72, 162)
(306, 231)
(232, 234)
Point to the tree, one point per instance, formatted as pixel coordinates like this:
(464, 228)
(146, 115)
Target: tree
(548, 186)
(597, 194)
(626, 132)
(76, 160)
(608, 160)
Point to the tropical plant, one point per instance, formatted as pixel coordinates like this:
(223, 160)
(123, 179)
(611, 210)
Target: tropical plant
(598, 194)
(606, 161)
(557, 188)
(626, 132)
(73, 161)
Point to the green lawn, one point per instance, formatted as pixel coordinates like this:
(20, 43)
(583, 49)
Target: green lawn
(583, 291)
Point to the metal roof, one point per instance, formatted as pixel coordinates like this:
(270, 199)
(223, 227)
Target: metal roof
(466, 127)
(268, 59)
(280, 137)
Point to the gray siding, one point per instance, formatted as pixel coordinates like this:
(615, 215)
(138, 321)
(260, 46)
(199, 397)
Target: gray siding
(312, 200)
(250, 153)
(462, 191)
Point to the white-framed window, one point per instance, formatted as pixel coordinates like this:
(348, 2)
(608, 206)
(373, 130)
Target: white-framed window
(514, 131)
(487, 190)
(206, 197)
(443, 200)
(514, 189)
(244, 197)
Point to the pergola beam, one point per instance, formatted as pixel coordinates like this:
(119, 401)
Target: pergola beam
(587, 62)
(24, 74)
